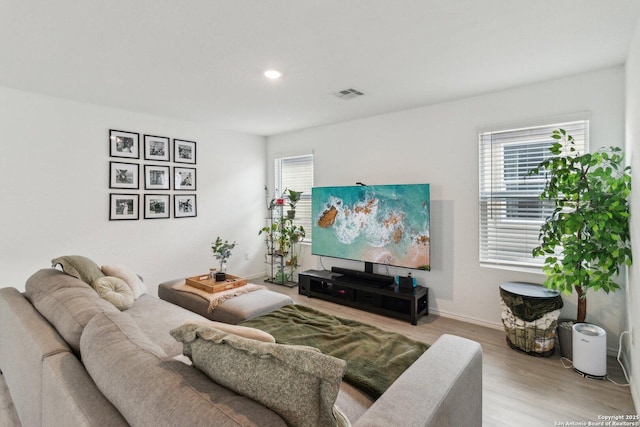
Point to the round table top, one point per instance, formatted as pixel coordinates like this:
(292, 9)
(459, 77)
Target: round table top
(529, 290)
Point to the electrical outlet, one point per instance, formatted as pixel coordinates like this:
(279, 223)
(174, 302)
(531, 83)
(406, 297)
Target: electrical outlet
(246, 256)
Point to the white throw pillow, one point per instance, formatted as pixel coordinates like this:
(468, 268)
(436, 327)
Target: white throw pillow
(114, 290)
(243, 331)
(131, 278)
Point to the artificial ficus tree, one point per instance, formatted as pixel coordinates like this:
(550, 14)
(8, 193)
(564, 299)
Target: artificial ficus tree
(586, 238)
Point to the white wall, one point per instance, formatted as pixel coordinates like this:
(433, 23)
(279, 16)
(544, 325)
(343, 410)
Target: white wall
(54, 197)
(633, 157)
(439, 145)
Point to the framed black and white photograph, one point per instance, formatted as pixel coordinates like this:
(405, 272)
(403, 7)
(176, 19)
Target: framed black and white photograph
(123, 206)
(184, 178)
(156, 148)
(124, 175)
(184, 151)
(156, 177)
(156, 206)
(124, 144)
(184, 205)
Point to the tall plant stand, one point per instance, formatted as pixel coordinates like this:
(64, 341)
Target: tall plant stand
(280, 273)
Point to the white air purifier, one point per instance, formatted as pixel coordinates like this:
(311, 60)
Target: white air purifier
(590, 350)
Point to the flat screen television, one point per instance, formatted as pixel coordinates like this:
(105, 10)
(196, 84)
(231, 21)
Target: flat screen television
(377, 224)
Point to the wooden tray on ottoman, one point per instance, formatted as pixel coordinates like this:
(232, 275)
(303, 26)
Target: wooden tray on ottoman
(205, 283)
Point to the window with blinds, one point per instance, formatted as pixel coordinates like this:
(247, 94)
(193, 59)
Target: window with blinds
(296, 173)
(511, 211)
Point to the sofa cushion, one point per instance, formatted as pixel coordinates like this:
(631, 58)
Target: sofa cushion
(78, 266)
(148, 389)
(115, 291)
(66, 302)
(129, 276)
(299, 383)
(157, 317)
(71, 398)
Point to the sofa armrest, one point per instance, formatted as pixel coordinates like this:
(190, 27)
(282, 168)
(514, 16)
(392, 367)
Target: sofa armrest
(442, 388)
(26, 338)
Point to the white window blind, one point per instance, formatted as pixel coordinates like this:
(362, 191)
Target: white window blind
(296, 173)
(511, 211)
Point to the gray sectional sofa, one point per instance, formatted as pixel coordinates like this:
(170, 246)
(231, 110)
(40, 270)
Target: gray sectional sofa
(71, 358)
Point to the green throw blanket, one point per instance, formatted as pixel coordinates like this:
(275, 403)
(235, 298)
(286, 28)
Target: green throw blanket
(375, 358)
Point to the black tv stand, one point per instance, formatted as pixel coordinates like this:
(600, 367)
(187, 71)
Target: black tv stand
(358, 292)
(364, 277)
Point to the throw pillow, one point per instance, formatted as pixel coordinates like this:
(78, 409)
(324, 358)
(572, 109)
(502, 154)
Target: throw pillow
(131, 278)
(243, 331)
(298, 383)
(78, 266)
(114, 290)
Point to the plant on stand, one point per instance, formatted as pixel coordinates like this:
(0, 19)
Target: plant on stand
(222, 251)
(270, 200)
(586, 238)
(294, 198)
(284, 235)
(271, 229)
(296, 233)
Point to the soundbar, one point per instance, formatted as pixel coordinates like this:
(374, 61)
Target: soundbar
(375, 279)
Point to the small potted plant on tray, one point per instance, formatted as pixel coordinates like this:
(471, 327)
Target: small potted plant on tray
(222, 251)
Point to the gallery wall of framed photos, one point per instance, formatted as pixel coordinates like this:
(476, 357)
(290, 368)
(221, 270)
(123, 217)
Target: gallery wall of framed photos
(166, 173)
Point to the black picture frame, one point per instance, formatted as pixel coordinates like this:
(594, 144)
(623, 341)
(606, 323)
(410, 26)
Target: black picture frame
(124, 207)
(157, 148)
(184, 179)
(184, 151)
(156, 177)
(157, 206)
(124, 144)
(184, 205)
(124, 175)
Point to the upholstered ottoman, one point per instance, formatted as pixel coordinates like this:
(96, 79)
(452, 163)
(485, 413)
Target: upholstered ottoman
(232, 311)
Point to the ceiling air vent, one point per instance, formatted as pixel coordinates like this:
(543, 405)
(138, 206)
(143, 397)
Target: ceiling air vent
(348, 94)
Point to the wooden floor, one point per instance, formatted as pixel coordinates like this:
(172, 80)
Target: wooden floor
(518, 390)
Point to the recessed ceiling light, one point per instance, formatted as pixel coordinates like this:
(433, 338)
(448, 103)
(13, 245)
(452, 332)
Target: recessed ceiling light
(272, 74)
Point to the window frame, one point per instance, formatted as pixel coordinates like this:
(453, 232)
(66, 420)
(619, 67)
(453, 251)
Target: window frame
(305, 198)
(506, 241)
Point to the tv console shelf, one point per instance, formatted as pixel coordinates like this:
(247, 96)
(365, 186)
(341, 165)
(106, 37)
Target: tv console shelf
(360, 293)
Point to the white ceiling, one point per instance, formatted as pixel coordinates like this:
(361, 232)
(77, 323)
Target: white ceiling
(203, 59)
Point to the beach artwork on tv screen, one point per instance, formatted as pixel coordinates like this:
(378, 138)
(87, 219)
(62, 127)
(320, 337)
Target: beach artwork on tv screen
(381, 224)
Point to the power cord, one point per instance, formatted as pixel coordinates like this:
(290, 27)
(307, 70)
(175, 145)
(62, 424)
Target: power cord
(564, 365)
(322, 265)
(624, 371)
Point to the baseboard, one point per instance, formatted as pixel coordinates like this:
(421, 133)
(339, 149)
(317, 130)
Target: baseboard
(633, 386)
(255, 276)
(498, 326)
(466, 319)
(625, 362)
